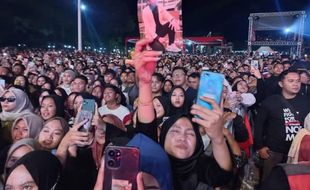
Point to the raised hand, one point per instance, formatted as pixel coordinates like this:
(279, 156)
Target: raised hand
(144, 61)
(211, 120)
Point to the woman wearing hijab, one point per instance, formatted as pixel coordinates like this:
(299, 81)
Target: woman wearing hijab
(36, 170)
(27, 126)
(177, 101)
(18, 150)
(191, 168)
(14, 103)
(180, 136)
(67, 78)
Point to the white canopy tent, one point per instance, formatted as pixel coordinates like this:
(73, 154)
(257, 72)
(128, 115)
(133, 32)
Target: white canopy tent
(265, 50)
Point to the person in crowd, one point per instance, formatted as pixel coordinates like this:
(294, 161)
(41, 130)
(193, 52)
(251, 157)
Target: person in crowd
(52, 132)
(279, 119)
(54, 77)
(40, 95)
(41, 80)
(26, 126)
(48, 85)
(193, 80)
(61, 93)
(160, 105)
(179, 79)
(97, 91)
(70, 104)
(123, 78)
(271, 85)
(18, 150)
(177, 101)
(18, 69)
(14, 103)
(52, 106)
(79, 84)
(180, 136)
(78, 101)
(296, 173)
(305, 83)
(240, 96)
(67, 78)
(112, 98)
(168, 85)
(276, 122)
(157, 84)
(21, 81)
(36, 170)
(109, 75)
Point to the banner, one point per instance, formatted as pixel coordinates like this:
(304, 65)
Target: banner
(161, 20)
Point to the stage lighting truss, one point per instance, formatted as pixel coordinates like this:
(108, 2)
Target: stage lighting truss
(272, 24)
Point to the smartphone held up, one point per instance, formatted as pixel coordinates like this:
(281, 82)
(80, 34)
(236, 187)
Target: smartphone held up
(86, 113)
(210, 86)
(122, 165)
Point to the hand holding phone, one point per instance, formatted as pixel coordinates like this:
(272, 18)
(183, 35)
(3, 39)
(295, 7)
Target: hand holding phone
(255, 64)
(86, 113)
(121, 167)
(210, 86)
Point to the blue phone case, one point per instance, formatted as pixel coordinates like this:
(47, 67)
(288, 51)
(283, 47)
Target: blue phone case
(211, 86)
(89, 105)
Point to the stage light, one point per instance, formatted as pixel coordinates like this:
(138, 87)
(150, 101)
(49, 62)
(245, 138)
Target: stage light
(83, 7)
(287, 30)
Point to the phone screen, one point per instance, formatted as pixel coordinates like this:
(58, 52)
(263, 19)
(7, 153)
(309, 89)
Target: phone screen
(161, 21)
(122, 165)
(211, 86)
(2, 83)
(255, 63)
(86, 113)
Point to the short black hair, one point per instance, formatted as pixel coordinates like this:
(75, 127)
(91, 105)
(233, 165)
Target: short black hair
(82, 77)
(179, 68)
(110, 72)
(286, 72)
(159, 77)
(194, 75)
(20, 65)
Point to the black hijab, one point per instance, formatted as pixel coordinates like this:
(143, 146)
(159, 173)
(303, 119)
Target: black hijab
(182, 168)
(43, 167)
(164, 102)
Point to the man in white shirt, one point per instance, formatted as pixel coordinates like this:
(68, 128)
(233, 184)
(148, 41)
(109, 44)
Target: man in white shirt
(112, 97)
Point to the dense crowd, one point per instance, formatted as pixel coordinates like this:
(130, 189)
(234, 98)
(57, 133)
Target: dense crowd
(147, 100)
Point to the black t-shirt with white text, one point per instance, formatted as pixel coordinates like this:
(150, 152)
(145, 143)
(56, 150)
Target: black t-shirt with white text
(276, 124)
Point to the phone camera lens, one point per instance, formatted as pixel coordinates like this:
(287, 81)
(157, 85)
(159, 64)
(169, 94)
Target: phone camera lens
(118, 153)
(111, 163)
(111, 153)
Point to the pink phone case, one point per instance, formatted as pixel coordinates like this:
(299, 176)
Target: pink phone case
(122, 165)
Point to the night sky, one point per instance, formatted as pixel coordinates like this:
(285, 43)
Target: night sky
(39, 22)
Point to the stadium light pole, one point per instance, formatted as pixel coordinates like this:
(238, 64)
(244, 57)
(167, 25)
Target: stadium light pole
(79, 26)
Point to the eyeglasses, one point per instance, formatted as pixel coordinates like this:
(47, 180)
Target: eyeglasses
(9, 99)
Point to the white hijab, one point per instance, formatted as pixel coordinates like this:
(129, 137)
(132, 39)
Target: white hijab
(23, 105)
